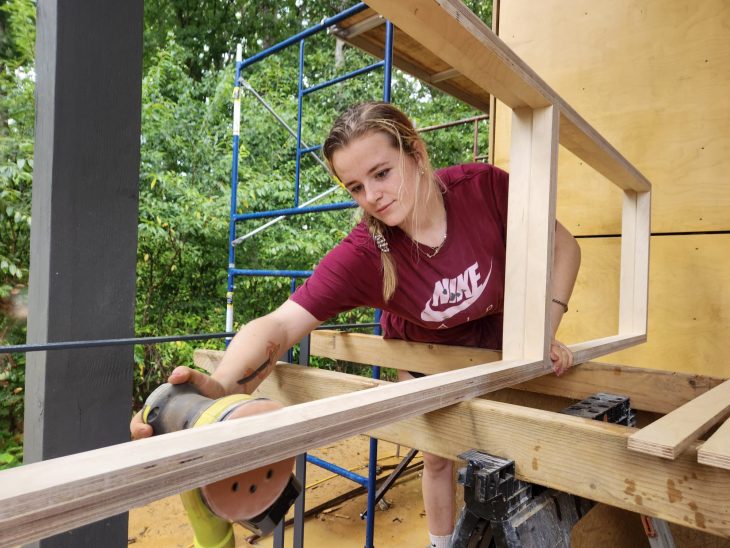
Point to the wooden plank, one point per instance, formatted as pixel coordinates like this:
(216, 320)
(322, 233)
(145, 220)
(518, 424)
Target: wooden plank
(591, 349)
(598, 465)
(669, 436)
(409, 356)
(531, 229)
(649, 389)
(634, 278)
(716, 450)
(52, 496)
(436, 25)
(641, 103)
(448, 29)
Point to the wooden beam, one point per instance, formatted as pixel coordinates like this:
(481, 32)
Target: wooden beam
(716, 450)
(669, 436)
(530, 229)
(448, 29)
(58, 494)
(570, 454)
(649, 389)
(409, 356)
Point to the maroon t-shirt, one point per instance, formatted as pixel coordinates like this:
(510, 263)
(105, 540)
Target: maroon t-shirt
(456, 297)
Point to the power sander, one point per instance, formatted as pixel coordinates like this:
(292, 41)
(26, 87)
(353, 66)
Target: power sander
(257, 499)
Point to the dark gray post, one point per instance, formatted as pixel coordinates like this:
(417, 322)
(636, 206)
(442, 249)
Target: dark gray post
(84, 234)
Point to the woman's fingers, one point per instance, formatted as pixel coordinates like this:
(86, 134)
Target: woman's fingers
(139, 429)
(206, 385)
(561, 357)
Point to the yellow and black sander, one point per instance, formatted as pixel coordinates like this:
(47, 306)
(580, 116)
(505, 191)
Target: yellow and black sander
(257, 499)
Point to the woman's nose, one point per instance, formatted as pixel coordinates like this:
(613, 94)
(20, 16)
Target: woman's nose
(372, 194)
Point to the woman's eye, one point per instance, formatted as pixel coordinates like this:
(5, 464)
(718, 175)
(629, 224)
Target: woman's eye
(381, 174)
(354, 189)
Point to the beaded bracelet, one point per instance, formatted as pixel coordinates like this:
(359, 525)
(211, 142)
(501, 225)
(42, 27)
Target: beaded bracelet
(561, 303)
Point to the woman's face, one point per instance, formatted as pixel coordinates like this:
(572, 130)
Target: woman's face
(370, 169)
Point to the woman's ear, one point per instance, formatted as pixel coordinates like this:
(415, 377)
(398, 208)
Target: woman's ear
(419, 153)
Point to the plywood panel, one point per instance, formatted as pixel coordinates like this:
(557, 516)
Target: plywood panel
(689, 303)
(653, 79)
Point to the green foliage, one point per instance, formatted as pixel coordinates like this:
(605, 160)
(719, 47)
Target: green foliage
(17, 39)
(184, 186)
(12, 380)
(17, 32)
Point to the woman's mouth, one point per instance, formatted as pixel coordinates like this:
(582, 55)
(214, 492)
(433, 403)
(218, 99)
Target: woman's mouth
(382, 209)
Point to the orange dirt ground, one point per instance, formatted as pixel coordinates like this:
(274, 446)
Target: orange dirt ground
(163, 523)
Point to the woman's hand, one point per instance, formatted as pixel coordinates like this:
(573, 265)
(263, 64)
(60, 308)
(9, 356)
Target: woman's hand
(561, 356)
(207, 386)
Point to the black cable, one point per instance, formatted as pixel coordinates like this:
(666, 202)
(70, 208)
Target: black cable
(24, 348)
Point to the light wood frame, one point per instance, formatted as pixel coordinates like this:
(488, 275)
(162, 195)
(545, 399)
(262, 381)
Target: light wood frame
(53, 496)
(541, 119)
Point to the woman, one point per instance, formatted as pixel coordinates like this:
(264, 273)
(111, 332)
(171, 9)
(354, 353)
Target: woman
(429, 251)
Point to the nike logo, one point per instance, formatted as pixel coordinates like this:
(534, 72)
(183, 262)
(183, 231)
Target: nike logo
(461, 292)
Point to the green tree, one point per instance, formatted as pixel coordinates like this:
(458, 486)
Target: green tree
(186, 163)
(17, 38)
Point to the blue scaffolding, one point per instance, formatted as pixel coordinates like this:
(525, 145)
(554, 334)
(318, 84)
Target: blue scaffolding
(297, 209)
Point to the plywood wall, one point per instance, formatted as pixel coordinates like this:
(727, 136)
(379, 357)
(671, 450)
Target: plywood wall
(653, 77)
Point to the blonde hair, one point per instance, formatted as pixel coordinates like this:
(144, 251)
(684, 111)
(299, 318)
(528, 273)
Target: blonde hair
(384, 118)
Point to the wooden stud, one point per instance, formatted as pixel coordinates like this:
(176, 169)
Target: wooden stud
(634, 280)
(675, 432)
(530, 231)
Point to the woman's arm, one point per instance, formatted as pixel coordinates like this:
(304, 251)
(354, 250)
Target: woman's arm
(566, 261)
(249, 359)
(255, 349)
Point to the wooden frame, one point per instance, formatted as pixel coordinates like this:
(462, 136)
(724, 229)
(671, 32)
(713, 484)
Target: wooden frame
(541, 119)
(52, 496)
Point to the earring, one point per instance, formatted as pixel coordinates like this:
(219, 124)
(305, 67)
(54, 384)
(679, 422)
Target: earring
(381, 242)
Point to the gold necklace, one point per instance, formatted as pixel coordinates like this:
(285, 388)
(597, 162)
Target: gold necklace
(435, 249)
